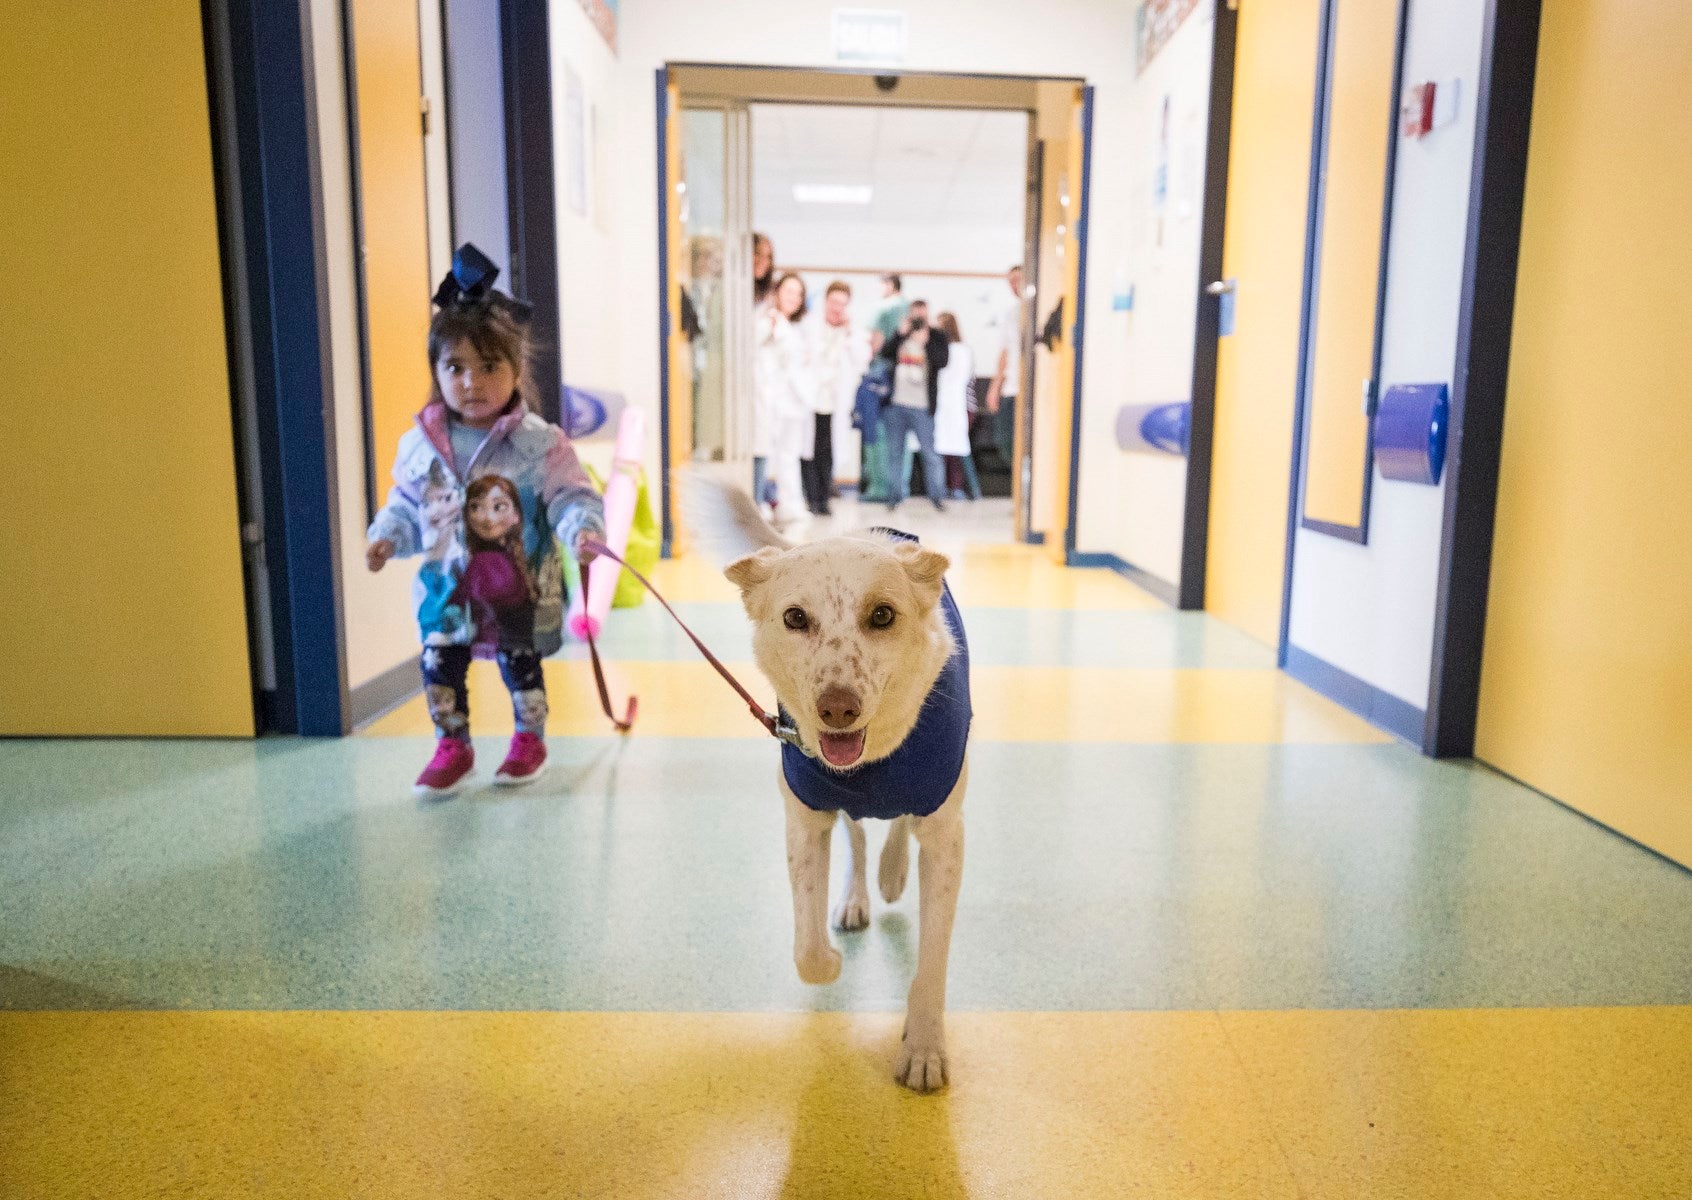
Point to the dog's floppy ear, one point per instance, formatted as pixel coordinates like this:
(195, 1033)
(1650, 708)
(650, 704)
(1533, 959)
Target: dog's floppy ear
(747, 573)
(925, 567)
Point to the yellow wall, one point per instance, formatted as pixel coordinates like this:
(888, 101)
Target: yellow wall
(124, 611)
(1586, 690)
(1359, 129)
(1257, 365)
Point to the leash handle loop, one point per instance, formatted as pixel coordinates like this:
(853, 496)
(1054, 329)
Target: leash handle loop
(775, 728)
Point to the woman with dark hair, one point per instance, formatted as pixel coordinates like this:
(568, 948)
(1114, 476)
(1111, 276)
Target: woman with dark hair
(784, 383)
(763, 269)
(951, 411)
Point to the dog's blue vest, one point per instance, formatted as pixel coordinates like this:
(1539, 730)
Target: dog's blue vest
(916, 778)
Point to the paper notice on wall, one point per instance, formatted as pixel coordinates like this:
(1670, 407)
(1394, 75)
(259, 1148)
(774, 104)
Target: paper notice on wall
(575, 142)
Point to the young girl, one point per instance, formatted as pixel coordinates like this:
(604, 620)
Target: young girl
(522, 487)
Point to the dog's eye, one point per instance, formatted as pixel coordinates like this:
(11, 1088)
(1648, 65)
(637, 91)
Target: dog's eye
(795, 618)
(882, 617)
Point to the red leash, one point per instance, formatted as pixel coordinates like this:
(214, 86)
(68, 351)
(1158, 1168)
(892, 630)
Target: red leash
(776, 728)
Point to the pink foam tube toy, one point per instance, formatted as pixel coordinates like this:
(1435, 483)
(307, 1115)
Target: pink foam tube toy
(587, 611)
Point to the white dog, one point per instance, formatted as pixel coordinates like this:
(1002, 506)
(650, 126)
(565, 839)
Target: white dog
(860, 638)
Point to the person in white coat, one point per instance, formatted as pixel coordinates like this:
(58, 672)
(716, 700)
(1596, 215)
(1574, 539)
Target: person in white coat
(839, 354)
(785, 384)
(952, 408)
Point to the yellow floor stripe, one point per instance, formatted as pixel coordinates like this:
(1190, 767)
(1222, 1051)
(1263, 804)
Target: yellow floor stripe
(1012, 704)
(1547, 1103)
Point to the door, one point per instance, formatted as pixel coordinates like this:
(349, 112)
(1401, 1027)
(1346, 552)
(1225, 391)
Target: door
(1262, 285)
(1586, 681)
(715, 228)
(705, 273)
(125, 613)
(385, 91)
(704, 229)
(675, 274)
(1041, 481)
(437, 165)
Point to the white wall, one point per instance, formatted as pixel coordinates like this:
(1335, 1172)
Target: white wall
(910, 248)
(1093, 39)
(594, 246)
(1369, 610)
(1160, 262)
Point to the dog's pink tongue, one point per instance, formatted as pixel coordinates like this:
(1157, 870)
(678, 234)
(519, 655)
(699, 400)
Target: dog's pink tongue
(843, 749)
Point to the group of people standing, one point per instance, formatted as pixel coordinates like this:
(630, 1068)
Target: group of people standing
(907, 380)
(803, 370)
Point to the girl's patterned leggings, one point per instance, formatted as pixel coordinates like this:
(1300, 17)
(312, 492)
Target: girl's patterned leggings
(445, 669)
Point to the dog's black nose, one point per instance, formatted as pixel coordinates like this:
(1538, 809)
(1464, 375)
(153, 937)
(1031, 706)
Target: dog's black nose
(837, 707)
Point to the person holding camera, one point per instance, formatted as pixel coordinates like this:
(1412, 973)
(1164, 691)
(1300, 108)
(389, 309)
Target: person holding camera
(918, 354)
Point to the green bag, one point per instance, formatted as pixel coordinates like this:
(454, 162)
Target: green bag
(645, 540)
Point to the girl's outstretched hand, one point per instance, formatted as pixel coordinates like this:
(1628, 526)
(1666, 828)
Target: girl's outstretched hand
(377, 554)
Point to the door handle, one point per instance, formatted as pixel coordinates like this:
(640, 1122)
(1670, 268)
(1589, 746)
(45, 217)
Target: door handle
(1219, 288)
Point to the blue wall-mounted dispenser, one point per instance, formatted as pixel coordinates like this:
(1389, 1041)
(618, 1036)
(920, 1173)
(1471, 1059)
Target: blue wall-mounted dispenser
(1410, 432)
(1154, 428)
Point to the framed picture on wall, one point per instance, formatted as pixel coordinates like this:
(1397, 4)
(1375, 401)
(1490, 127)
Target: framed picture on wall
(1155, 22)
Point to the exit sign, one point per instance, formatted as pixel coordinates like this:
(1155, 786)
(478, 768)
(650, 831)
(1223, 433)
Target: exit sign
(869, 35)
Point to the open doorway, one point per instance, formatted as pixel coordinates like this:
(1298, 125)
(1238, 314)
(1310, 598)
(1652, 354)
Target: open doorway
(947, 182)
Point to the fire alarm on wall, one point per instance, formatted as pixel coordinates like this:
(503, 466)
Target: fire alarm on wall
(1429, 105)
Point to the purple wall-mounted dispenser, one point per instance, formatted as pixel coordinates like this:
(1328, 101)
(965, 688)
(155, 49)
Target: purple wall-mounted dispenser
(1410, 432)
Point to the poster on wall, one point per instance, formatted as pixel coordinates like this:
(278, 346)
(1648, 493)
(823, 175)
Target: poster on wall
(603, 14)
(1154, 24)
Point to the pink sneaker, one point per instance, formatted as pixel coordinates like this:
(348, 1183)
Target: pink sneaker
(452, 762)
(524, 762)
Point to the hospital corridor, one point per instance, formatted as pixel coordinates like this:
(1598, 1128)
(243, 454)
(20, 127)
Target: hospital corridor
(491, 388)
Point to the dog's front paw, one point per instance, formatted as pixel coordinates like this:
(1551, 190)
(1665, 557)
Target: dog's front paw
(821, 965)
(922, 1064)
(853, 913)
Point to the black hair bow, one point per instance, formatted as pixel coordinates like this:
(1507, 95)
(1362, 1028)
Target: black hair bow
(471, 282)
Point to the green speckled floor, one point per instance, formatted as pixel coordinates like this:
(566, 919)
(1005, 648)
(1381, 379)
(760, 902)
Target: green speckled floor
(1263, 967)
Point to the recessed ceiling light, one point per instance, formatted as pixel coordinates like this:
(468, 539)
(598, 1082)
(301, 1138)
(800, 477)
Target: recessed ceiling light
(832, 193)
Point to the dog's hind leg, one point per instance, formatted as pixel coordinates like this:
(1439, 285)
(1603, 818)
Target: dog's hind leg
(853, 911)
(895, 859)
(807, 869)
(922, 1064)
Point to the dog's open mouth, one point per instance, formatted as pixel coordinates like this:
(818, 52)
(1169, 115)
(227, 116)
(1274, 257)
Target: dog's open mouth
(842, 749)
